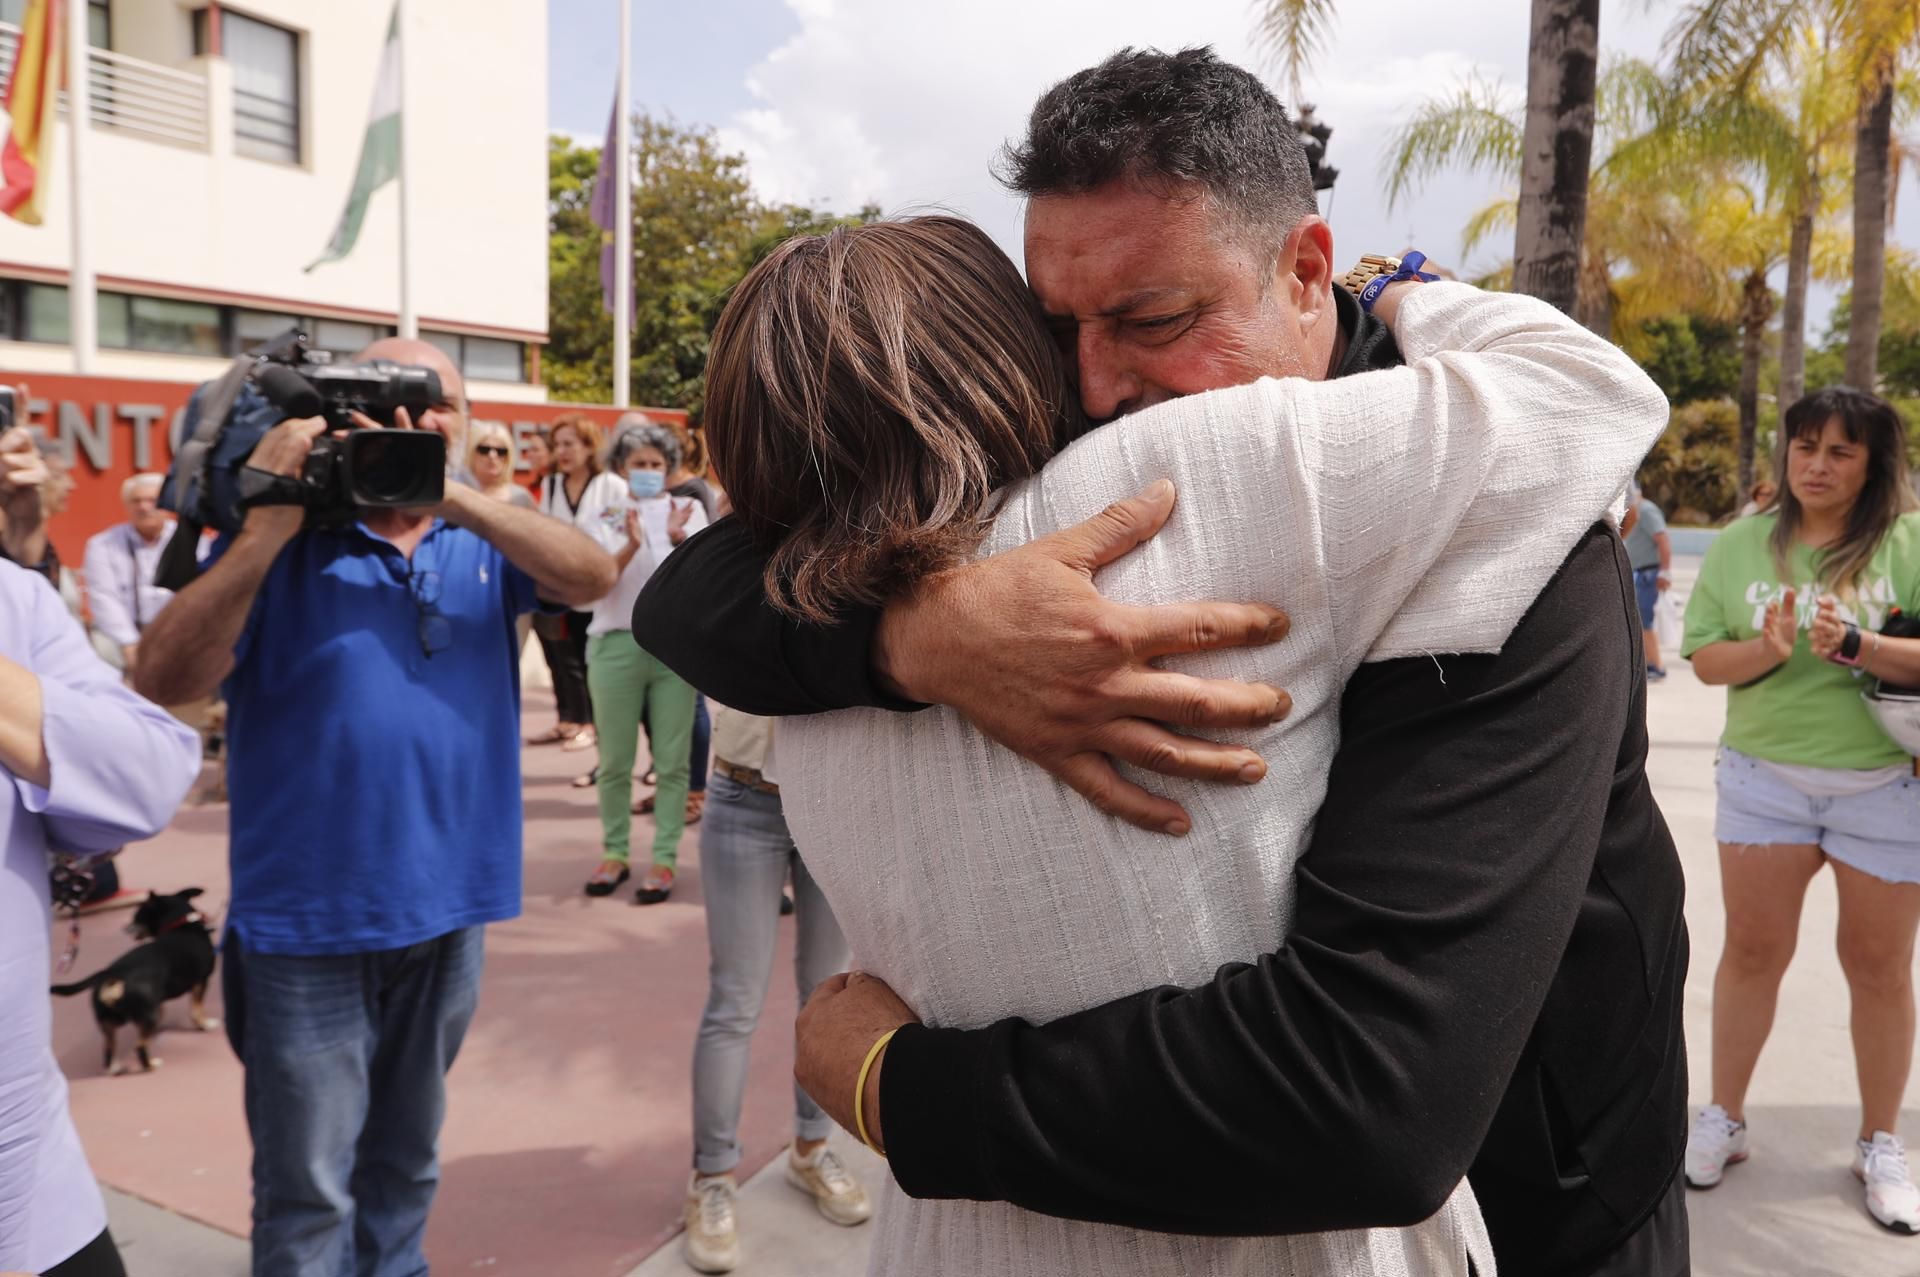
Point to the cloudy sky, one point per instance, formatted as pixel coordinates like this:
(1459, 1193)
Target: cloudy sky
(838, 103)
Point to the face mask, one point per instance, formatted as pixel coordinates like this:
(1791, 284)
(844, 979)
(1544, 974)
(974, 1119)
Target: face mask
(646, 483)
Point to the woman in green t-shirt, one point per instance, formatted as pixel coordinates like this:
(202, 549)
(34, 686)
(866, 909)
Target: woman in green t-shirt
(1806, 776)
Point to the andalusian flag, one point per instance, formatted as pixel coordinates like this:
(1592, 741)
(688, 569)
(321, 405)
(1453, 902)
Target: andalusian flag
(31, 96)
(379, 150)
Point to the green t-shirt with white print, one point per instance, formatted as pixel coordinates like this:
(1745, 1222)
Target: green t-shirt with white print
(1808, 711)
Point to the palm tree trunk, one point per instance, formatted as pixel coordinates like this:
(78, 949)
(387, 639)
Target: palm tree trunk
(1872, 142)
(1756, 309)
(1793, 312)
(1563, 50)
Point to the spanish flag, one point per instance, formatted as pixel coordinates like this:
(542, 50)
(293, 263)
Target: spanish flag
(31, 95)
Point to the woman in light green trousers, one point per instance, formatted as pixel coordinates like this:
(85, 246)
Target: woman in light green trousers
(640, 525)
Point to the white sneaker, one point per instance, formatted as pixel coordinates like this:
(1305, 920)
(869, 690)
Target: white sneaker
(826, 1179)
(1881, 1164)
(713, 1246)
(1715, 1143)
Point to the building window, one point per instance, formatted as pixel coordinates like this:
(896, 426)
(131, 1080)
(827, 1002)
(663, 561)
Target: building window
(482, 358)
(266, 83)
(99, 20)
(43, 312)
(166, 326)
(447, 344)
(253, 328)
(344, 338)
(490, 359)
(31, 311)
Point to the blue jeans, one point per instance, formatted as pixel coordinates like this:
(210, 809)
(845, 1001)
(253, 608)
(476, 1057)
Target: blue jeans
(745, 855)
(346, 1058)
(1646, 593)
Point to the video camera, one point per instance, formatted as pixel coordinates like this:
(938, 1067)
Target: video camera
(347, 468)
(211, 485)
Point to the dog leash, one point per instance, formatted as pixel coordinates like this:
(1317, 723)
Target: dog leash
(72, 883)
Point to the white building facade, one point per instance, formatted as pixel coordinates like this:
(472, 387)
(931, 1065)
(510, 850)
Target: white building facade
(223, 146)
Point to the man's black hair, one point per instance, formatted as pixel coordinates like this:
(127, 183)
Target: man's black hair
(1168, 121)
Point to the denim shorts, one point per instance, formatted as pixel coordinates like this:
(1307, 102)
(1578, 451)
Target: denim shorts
(1646, 591)
(1877, 832)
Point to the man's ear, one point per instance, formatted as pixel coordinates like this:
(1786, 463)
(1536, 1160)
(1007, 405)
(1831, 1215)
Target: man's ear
(1306, 262)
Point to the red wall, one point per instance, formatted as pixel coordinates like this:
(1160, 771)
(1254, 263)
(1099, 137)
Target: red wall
(114, 427)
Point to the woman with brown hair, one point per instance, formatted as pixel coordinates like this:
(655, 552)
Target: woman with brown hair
(1806, 776)
(887, 400)
(576, 491)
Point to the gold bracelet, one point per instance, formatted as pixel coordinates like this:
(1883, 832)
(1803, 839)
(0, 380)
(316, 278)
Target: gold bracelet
(860, 1089)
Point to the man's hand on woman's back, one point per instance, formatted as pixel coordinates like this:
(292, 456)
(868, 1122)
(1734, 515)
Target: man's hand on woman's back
(1026, 648)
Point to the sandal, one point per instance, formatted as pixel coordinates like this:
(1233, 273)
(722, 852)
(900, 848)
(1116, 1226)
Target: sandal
(555, 735)
(605, 882)
(696, 805)
(582, 739)
(587, 781)
(644, 807)
(655, 887)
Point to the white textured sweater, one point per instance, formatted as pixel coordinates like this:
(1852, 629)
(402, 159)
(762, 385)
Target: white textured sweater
(1411, 510)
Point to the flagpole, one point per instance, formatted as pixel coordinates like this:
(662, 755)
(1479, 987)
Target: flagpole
(623, 223)
(81, 324)
(409, 322)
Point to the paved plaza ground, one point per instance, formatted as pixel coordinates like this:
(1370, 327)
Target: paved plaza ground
(566, 1146)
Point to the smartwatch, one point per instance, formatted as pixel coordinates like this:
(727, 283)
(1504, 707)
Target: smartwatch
(1848, 652)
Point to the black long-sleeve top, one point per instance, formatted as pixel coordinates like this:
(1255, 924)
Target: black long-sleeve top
(1483, 976)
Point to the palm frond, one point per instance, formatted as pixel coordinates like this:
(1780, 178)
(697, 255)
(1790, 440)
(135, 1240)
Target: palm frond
(1474, 127)
(1727, 43)
(1495, 219)
(1292, 33)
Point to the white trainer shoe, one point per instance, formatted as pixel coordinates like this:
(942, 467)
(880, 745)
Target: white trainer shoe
(834, 1190)
(1892, 1199)
(713, 1242)
(1715, 1143)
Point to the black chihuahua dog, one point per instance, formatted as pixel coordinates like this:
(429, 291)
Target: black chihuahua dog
(177, 959)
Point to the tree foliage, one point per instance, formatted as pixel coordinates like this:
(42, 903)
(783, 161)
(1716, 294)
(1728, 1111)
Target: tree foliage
(1691, 357)
(697, 228)
(1695, 465)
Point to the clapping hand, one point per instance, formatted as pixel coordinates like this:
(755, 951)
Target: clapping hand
(22, 470)
(636, 531)
(1827, 630)
(1782, 627)
(678, 513)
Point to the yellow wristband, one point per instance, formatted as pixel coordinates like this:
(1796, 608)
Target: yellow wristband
(860, 1089)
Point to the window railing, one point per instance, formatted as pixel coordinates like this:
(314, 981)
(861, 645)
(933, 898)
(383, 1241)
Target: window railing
(133, 96)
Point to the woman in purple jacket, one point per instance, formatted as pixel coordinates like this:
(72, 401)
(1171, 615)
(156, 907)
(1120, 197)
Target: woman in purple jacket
(88, 766)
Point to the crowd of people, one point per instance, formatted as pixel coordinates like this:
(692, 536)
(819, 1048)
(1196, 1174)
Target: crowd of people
(1424, 781)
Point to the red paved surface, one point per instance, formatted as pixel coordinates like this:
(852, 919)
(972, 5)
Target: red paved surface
(566, 1147)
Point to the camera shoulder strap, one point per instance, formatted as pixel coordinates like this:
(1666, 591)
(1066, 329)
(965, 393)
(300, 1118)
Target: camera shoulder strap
(180, 561)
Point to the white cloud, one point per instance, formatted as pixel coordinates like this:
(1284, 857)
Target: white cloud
(907, 104)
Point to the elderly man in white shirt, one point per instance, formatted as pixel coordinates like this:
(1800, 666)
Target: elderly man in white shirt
(120, 565)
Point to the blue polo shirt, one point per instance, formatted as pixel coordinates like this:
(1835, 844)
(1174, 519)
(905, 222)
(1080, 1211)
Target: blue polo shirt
(374, 789)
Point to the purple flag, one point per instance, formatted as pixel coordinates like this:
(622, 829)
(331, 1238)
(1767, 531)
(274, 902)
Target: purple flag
(602, 210)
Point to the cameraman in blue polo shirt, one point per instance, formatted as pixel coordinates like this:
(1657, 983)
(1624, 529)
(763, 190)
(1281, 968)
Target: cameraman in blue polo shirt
(372, 684)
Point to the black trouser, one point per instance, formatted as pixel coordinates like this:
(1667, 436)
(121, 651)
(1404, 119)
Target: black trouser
(1658, 1248)
(98, 1258)
(567, 660)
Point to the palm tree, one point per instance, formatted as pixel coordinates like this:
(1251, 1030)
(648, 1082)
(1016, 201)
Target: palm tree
(1631, 213)
(1730, 43)
(1563, 50)
(1787, 130)
(1670, 225)
(1563, 60)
